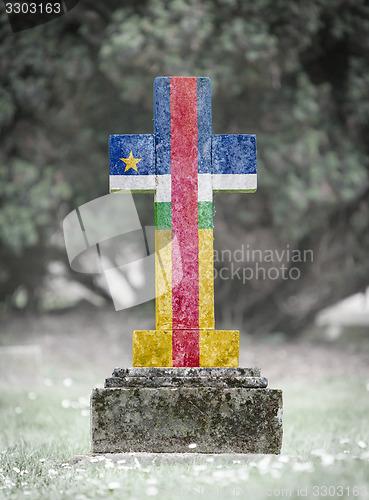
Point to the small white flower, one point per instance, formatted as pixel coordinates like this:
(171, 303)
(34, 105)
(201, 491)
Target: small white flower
(152, 480)
(109, 465)
(277, 465)
(42, 460)
(84, 401)
(199, 467)
(264, 464)
(26, 492)
(85, 413)
(15, 469)
(318, 453)
(361, 444)
(275, 473)
(52, 472)
(114, 485)
(18, 410)
(340, 456)
(152, 491)
(65, 403)
(303, 467)
(218, 473)
(192, 446)
(32, 396)
(67, 382)
(94, 459)
(210, 459)
(344, 440)
(327, 460)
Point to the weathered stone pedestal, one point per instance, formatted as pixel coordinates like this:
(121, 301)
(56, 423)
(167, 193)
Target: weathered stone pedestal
(221, 410)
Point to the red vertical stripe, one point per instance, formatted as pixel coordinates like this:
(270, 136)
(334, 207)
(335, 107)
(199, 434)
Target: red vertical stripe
(185, 296)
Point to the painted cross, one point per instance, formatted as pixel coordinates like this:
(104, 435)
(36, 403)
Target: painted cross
(183, 163)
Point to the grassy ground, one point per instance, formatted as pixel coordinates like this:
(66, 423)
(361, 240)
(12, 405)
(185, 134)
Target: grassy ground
(326, 425)
(325, 451)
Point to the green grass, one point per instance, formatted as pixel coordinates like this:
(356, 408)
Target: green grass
(323, 424)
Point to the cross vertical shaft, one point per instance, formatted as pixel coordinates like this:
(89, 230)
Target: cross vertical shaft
(183, 139)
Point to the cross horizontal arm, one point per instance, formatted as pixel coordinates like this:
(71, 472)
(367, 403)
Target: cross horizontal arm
(132, 162)
(234, 163)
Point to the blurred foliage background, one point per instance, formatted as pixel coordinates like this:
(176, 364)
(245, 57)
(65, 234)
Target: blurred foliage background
(294, 73)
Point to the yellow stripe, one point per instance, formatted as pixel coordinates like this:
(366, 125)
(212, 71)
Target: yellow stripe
(163, 279)
(219, 347)
(206, 279)
(152, 348)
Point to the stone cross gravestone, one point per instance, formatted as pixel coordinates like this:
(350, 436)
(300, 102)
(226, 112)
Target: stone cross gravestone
(185, 385)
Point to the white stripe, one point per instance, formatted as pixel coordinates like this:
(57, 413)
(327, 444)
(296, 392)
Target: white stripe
(132, 182)
(205, 188)
(234, 182)
(163, 187)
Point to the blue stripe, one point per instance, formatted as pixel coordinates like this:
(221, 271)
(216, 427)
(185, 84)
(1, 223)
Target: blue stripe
(204, 125)
(141, 145)
(234, 154)
(162, 124)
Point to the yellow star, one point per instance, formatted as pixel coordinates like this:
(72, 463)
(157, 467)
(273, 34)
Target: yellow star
(131, 162)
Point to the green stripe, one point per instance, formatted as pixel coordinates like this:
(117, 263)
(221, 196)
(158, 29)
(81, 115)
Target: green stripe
(205, 215)
(163, 215)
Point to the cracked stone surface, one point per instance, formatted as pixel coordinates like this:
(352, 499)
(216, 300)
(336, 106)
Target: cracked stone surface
(169, 419)
(186, 372)
(254, 382)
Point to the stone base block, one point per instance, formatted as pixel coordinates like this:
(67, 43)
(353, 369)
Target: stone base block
(213, 416)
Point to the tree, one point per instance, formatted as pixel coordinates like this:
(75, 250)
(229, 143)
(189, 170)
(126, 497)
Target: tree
(296, 75)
